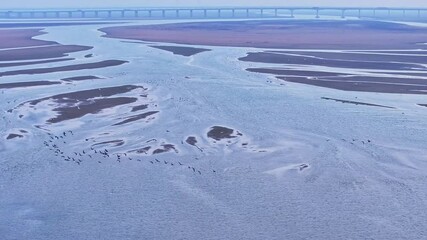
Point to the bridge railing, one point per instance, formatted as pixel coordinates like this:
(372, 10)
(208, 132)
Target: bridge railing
(227, 12)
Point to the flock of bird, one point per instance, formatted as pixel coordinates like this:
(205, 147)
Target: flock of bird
(56, 144)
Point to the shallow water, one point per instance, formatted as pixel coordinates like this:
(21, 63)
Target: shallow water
(297, 166)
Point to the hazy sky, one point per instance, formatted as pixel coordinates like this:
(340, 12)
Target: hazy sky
(143, 3)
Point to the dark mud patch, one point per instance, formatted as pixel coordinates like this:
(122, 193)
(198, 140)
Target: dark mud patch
(89, 107)
(136, 117)
(15, 64)
(356, 103)
(292, 72)
(275, 58)
(422, 105)
(280, 34)
(85, 95)
(74, 105)
(27, 84)
(88, 55)
(182, 51)
(80, 78)
(139, 107)
(13, 136)
(191, 140)
(360, 86)
(165, 148)
(76, 67)
(56, 51)
(219, 133)
(15, 38)
(143, 150)
(112, 143)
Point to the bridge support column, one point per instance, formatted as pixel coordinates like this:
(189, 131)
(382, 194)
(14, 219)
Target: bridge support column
(233, 13)
(343, 13)
(150, 13)
(109, 14)
(205, 13)
(44, 14)
(96, 13)
(177, 13)
(359, 14)
(419, 13)
(317, 13)
(219, 13)
(262, 12)
(164, 13)
(57, 14)
(275, 12)
(83, 14)
(292, 13)
(247, 13)
(404, 12)
(122, 13)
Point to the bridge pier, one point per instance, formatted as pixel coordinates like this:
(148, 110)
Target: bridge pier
(247, 13)
(262, 12)
(275, 12)
(292, 13)
(164, 13)
(343, 13)
(317, 13)
(359, 14)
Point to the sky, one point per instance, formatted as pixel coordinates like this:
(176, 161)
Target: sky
(199, 3)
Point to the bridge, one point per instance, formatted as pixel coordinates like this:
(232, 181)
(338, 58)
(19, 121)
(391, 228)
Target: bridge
(210, 13)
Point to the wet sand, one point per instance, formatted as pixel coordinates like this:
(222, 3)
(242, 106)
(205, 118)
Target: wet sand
(94, 65)
(294, 34)
(182, 51)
